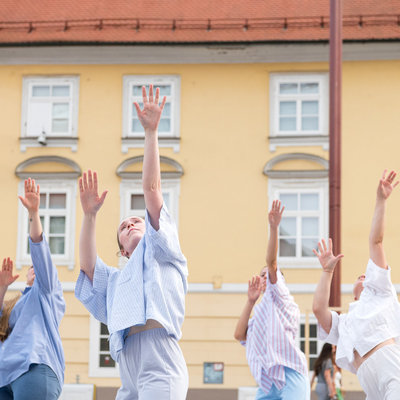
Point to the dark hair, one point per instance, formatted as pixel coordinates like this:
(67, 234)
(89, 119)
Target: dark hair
(326, 353)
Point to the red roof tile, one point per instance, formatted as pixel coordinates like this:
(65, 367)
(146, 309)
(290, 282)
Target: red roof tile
(188, 21)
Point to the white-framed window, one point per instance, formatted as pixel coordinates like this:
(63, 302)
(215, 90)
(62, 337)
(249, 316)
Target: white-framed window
(49, 111)
(304, 221)
(100, 362)
(299, 112)
(57, 214)
(315, 345)
(169, 127)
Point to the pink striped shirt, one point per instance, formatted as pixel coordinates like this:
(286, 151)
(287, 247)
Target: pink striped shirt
(271, 337)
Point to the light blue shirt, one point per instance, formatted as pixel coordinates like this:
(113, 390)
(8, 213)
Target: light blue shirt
(152, 285)
(34, 321)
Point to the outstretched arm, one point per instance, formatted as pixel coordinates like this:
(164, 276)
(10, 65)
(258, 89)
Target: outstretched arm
(150, 117)
(31, 202)
(91, 204)
(321, 297)
(385, 188)
(274, 219)
(253, 293)
(6, 278)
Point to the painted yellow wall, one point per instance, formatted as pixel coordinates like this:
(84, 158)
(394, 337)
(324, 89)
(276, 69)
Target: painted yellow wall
(223, 199)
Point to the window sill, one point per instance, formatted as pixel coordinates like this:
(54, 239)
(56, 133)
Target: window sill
(58, 262)
(138, 142)
(61, 141)
(298, 140)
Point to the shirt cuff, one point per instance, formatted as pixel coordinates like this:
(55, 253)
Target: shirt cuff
(333, 335)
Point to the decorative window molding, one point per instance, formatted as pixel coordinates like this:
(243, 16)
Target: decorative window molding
(169, 127)
(101, 365)
(299, 114)
(305, 220)
(49, 112)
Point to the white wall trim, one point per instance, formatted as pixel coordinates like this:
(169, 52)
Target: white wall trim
(195, 54)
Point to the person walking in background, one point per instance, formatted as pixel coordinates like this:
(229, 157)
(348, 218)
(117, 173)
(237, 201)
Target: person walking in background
(276, 362)
(324, 372)
(31, 354)
(143, 305)
(367, 336)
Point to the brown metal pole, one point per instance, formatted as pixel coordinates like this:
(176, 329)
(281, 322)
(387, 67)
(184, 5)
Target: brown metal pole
(335, 119)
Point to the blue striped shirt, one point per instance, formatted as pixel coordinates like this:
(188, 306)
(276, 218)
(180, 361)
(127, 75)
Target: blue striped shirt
(34, 321)
(152, 285)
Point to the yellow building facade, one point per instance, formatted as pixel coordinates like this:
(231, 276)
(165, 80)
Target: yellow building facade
(243, 126)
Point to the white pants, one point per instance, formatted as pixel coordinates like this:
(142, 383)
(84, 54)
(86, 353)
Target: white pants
(379, 375)
(152, 367)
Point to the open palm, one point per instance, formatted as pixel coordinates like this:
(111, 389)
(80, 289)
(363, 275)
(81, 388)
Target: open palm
(254, 290)
(31, 200)
(386, 184)
(325, 256)
(88, 191)
(6, 276)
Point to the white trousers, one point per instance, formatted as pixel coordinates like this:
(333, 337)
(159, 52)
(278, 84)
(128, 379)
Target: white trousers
(152, 367)
(379, 375)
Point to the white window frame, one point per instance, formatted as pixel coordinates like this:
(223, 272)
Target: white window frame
(320, 343)
(95, 371)
(67, 186)
(172, 139)
(319, 137)
(321, 186)
(51, 139)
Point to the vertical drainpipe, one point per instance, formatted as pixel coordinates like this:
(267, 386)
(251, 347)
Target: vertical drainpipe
(335, 119)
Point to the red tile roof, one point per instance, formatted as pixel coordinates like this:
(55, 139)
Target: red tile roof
(191, 21)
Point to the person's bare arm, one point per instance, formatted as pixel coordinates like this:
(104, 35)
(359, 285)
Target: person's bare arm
(329, 383)
(321, 297)
(6, 278)
(253, 293)
(91, 204)
(274, 219)
(376, 250)
(150, 117)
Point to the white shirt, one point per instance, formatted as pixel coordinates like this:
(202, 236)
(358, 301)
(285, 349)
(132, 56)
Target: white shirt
(371, 320)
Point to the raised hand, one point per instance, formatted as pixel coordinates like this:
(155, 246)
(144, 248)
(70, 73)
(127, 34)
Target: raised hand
(150, 116)
(275, 214)
(325, 256)
(90, 200)
(255, 288)
(31, 201)
(386, 185)
(6, 276)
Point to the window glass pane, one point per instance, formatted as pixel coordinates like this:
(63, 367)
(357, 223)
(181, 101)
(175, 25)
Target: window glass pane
(313, 330)
(58, 200)
(165, 125)
(288, 88)
(289, 201)
(312, 362)
(137, 90)
(134, 113)
(59, 126)
(307, 246)
(309, 88)
(42, 200)
(57, 245)
(309, 107)
(104, 345)
(302, 346)
(309, 201)
(287, 108)
(40, 91)
(313, 347)
(167, 110)
(309, 123)
(57, 224)
(137, 126)
(106, 361)
(60, 111)
(302, 330)
(165, 90)
(104, 329)
(287, 227)
(137, 202)
(60, 91)
(287, 124)
(309, 226)
(41, 220)
(287, 247)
